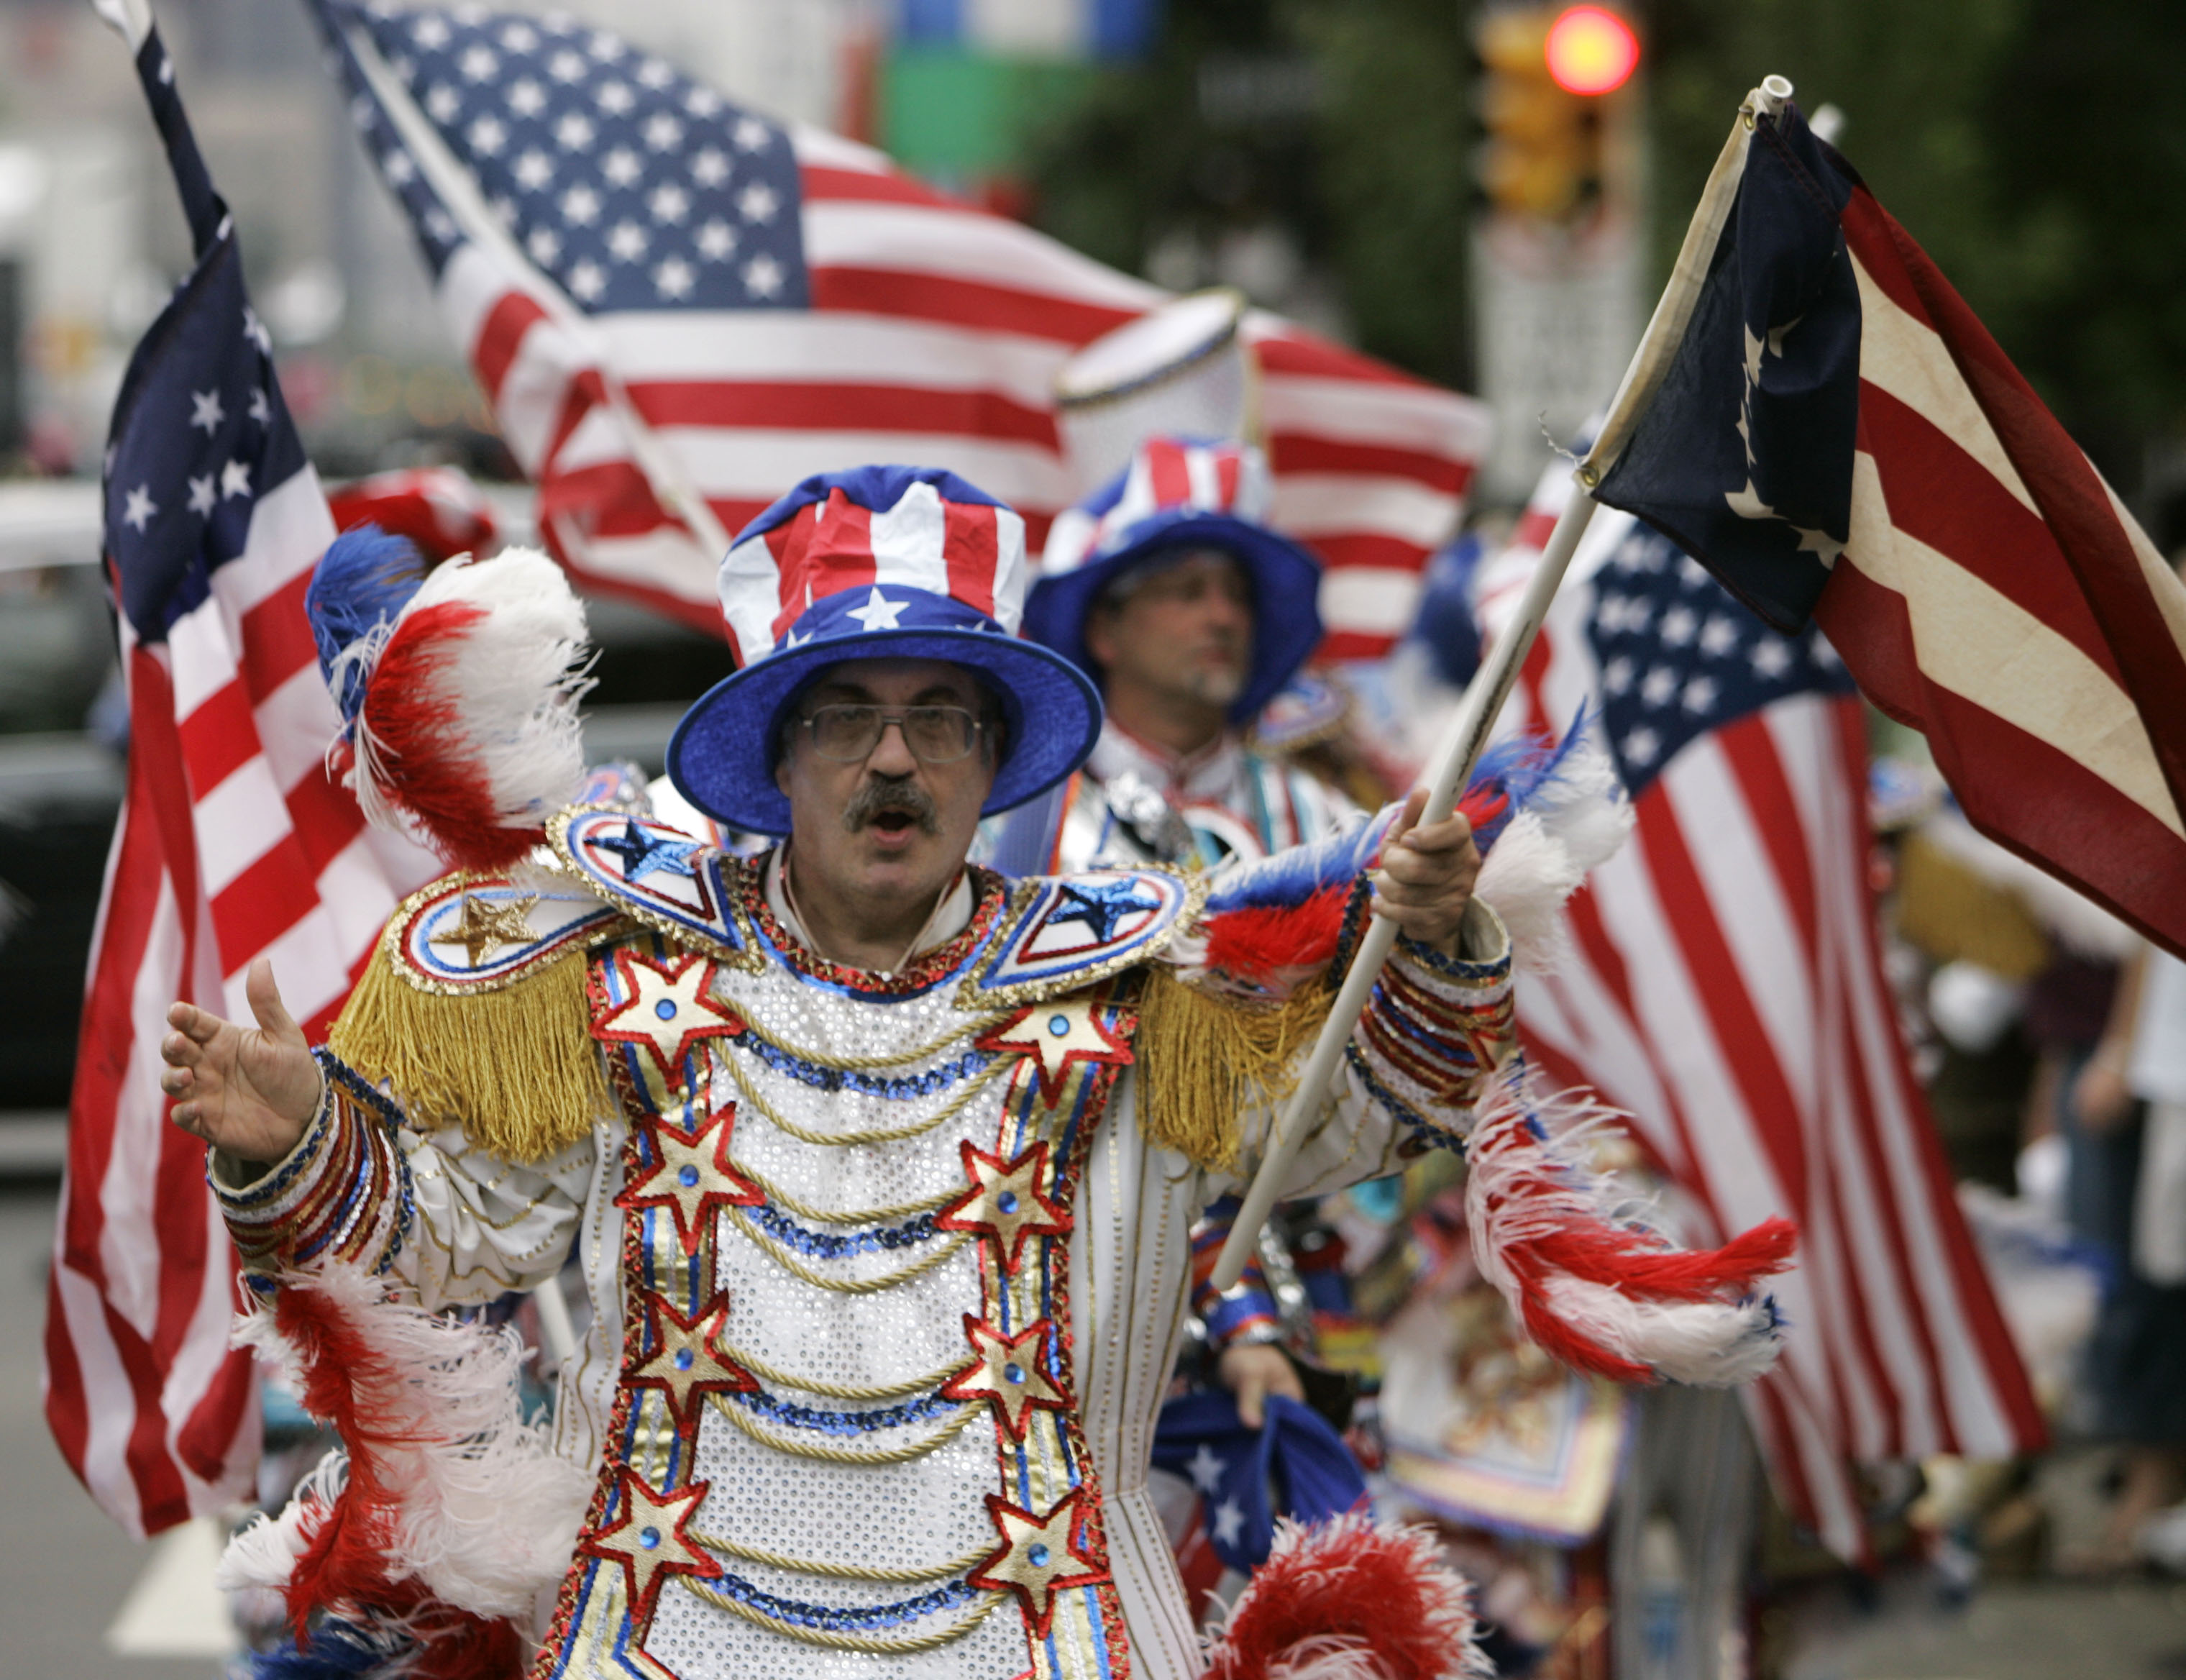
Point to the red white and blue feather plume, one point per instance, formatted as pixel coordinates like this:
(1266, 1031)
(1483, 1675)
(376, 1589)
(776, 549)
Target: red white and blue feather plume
(458, 692)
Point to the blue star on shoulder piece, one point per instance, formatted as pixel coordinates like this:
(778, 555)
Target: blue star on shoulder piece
(1075, 930)
(657, 874)
(481, 932)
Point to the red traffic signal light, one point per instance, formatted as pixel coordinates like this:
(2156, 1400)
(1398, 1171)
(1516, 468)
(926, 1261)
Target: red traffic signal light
(1591, 50)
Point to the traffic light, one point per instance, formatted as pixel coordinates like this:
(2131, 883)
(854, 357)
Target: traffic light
(1549, 72)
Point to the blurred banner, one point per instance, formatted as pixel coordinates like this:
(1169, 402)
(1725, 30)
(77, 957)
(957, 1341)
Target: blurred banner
(680, 309)
(232, 845)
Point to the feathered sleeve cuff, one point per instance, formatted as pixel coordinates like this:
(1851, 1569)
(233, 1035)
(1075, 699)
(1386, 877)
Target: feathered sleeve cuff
(343, 1194)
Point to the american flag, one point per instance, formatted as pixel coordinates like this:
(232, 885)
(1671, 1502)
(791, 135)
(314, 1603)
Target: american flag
(668, 298)
(1725, 988)
(1837, 435)
(232, 845)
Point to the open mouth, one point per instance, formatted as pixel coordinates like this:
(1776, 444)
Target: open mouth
(895, 822)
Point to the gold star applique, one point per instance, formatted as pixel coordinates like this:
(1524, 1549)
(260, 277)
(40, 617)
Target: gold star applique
(487, 924)
(1040, 1556)
(1068, 1030)
(648, 1541)
(1011, 1371)
(667, 1007)
(691, 1173)
(1004, 1201)
(686, 1360)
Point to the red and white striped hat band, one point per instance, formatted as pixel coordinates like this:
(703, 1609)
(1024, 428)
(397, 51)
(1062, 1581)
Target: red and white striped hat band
(1167, 475)
(866, 534)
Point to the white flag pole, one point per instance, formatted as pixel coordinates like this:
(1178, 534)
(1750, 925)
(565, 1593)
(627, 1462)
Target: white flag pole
(1485, 695)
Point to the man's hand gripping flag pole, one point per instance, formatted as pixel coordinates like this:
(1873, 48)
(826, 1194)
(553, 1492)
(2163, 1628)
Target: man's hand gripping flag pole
(1485, 695)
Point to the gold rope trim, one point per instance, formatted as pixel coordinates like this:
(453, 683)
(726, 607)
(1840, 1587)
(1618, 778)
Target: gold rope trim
(790, 1263)
(941, 1116)
(848, 1455)
(767, 1373)
(515, 1067)
(1203, 1058)
(864, 1216)
(904, 1645)
(900, 1577)
(890, 1059)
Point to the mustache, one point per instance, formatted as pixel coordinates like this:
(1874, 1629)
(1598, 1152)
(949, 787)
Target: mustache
(878, 796)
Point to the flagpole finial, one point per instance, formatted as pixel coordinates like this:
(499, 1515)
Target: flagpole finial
(131, 19)
(1774, 94)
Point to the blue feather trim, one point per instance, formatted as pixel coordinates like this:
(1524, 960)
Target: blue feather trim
(364, 580)
(340, 1651)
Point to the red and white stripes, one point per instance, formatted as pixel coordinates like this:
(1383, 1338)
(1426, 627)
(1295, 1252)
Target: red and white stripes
(935, 338)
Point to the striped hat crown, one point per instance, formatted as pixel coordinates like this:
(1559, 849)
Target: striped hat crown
(876, 563)
(1169, 478)
(880, 548)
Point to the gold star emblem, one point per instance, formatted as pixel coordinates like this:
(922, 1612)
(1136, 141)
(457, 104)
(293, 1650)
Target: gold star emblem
(1011, 1371)
(1040, 1556)
(691, 1173)
(486, 925)
(666, 1007)
(686, 1359)
(1068, 1030)
(648, 1541)
(1004, 1201)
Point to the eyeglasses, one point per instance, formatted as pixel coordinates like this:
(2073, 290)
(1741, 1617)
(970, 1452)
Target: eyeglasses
(936, 734)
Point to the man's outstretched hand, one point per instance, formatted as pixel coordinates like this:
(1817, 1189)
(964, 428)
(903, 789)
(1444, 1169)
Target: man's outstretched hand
(248, 1091)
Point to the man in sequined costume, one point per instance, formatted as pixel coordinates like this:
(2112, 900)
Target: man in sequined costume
(880, 1170)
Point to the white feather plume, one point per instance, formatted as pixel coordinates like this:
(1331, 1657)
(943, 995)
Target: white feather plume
(488, 1510)
(1574, 822)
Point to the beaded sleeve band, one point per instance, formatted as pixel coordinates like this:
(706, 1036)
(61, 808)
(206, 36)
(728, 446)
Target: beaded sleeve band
(342, 1194)
(1434, 1032)
(1246, 1311)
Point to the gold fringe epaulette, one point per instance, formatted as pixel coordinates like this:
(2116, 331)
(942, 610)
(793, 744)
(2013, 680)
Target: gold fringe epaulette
(1205, 1057)
(515, 1066)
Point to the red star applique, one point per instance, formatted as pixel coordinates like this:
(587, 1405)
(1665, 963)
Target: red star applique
(649, 1541)
(1040, 1556)
(1068, 1030)
(670, 1006)
(1004, 1201)
(1011, 1371)
(686, 1360)
(690, 1172)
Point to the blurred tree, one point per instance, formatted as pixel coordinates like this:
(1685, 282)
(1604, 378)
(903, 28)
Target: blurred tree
(2034, 148)
(1338, 131)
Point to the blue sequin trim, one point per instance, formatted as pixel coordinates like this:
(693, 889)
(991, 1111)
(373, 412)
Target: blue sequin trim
(1472, 971)
(784, 1229)
(1393, 1015)
(791, 1415)
(938, 1077)
(1439, 1136)
(834, 1620)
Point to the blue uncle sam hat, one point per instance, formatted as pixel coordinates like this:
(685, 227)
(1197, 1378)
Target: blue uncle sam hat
(1182, 493)
(875, 563)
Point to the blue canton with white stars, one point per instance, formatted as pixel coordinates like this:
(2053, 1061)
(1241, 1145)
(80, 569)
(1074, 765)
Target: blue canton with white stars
(200, 433)
(1680, 656)
(628, 184)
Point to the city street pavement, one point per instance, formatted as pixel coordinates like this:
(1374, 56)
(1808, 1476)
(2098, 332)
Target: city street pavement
(70, 1572)
(79, 1598)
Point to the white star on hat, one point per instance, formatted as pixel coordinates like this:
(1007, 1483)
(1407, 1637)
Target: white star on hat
(878, 613)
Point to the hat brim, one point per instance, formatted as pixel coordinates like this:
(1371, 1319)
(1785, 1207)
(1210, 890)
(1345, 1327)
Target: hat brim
(1285, 581)
(721, 755)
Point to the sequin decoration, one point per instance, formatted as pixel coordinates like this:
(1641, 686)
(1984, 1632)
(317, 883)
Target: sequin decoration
(1010, 1371)
(686, 1360)
(668, 1006)
(691, 1173)
(649, 1541)
(1005, 1202)
(1057, 1034)
(1039, 1555)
